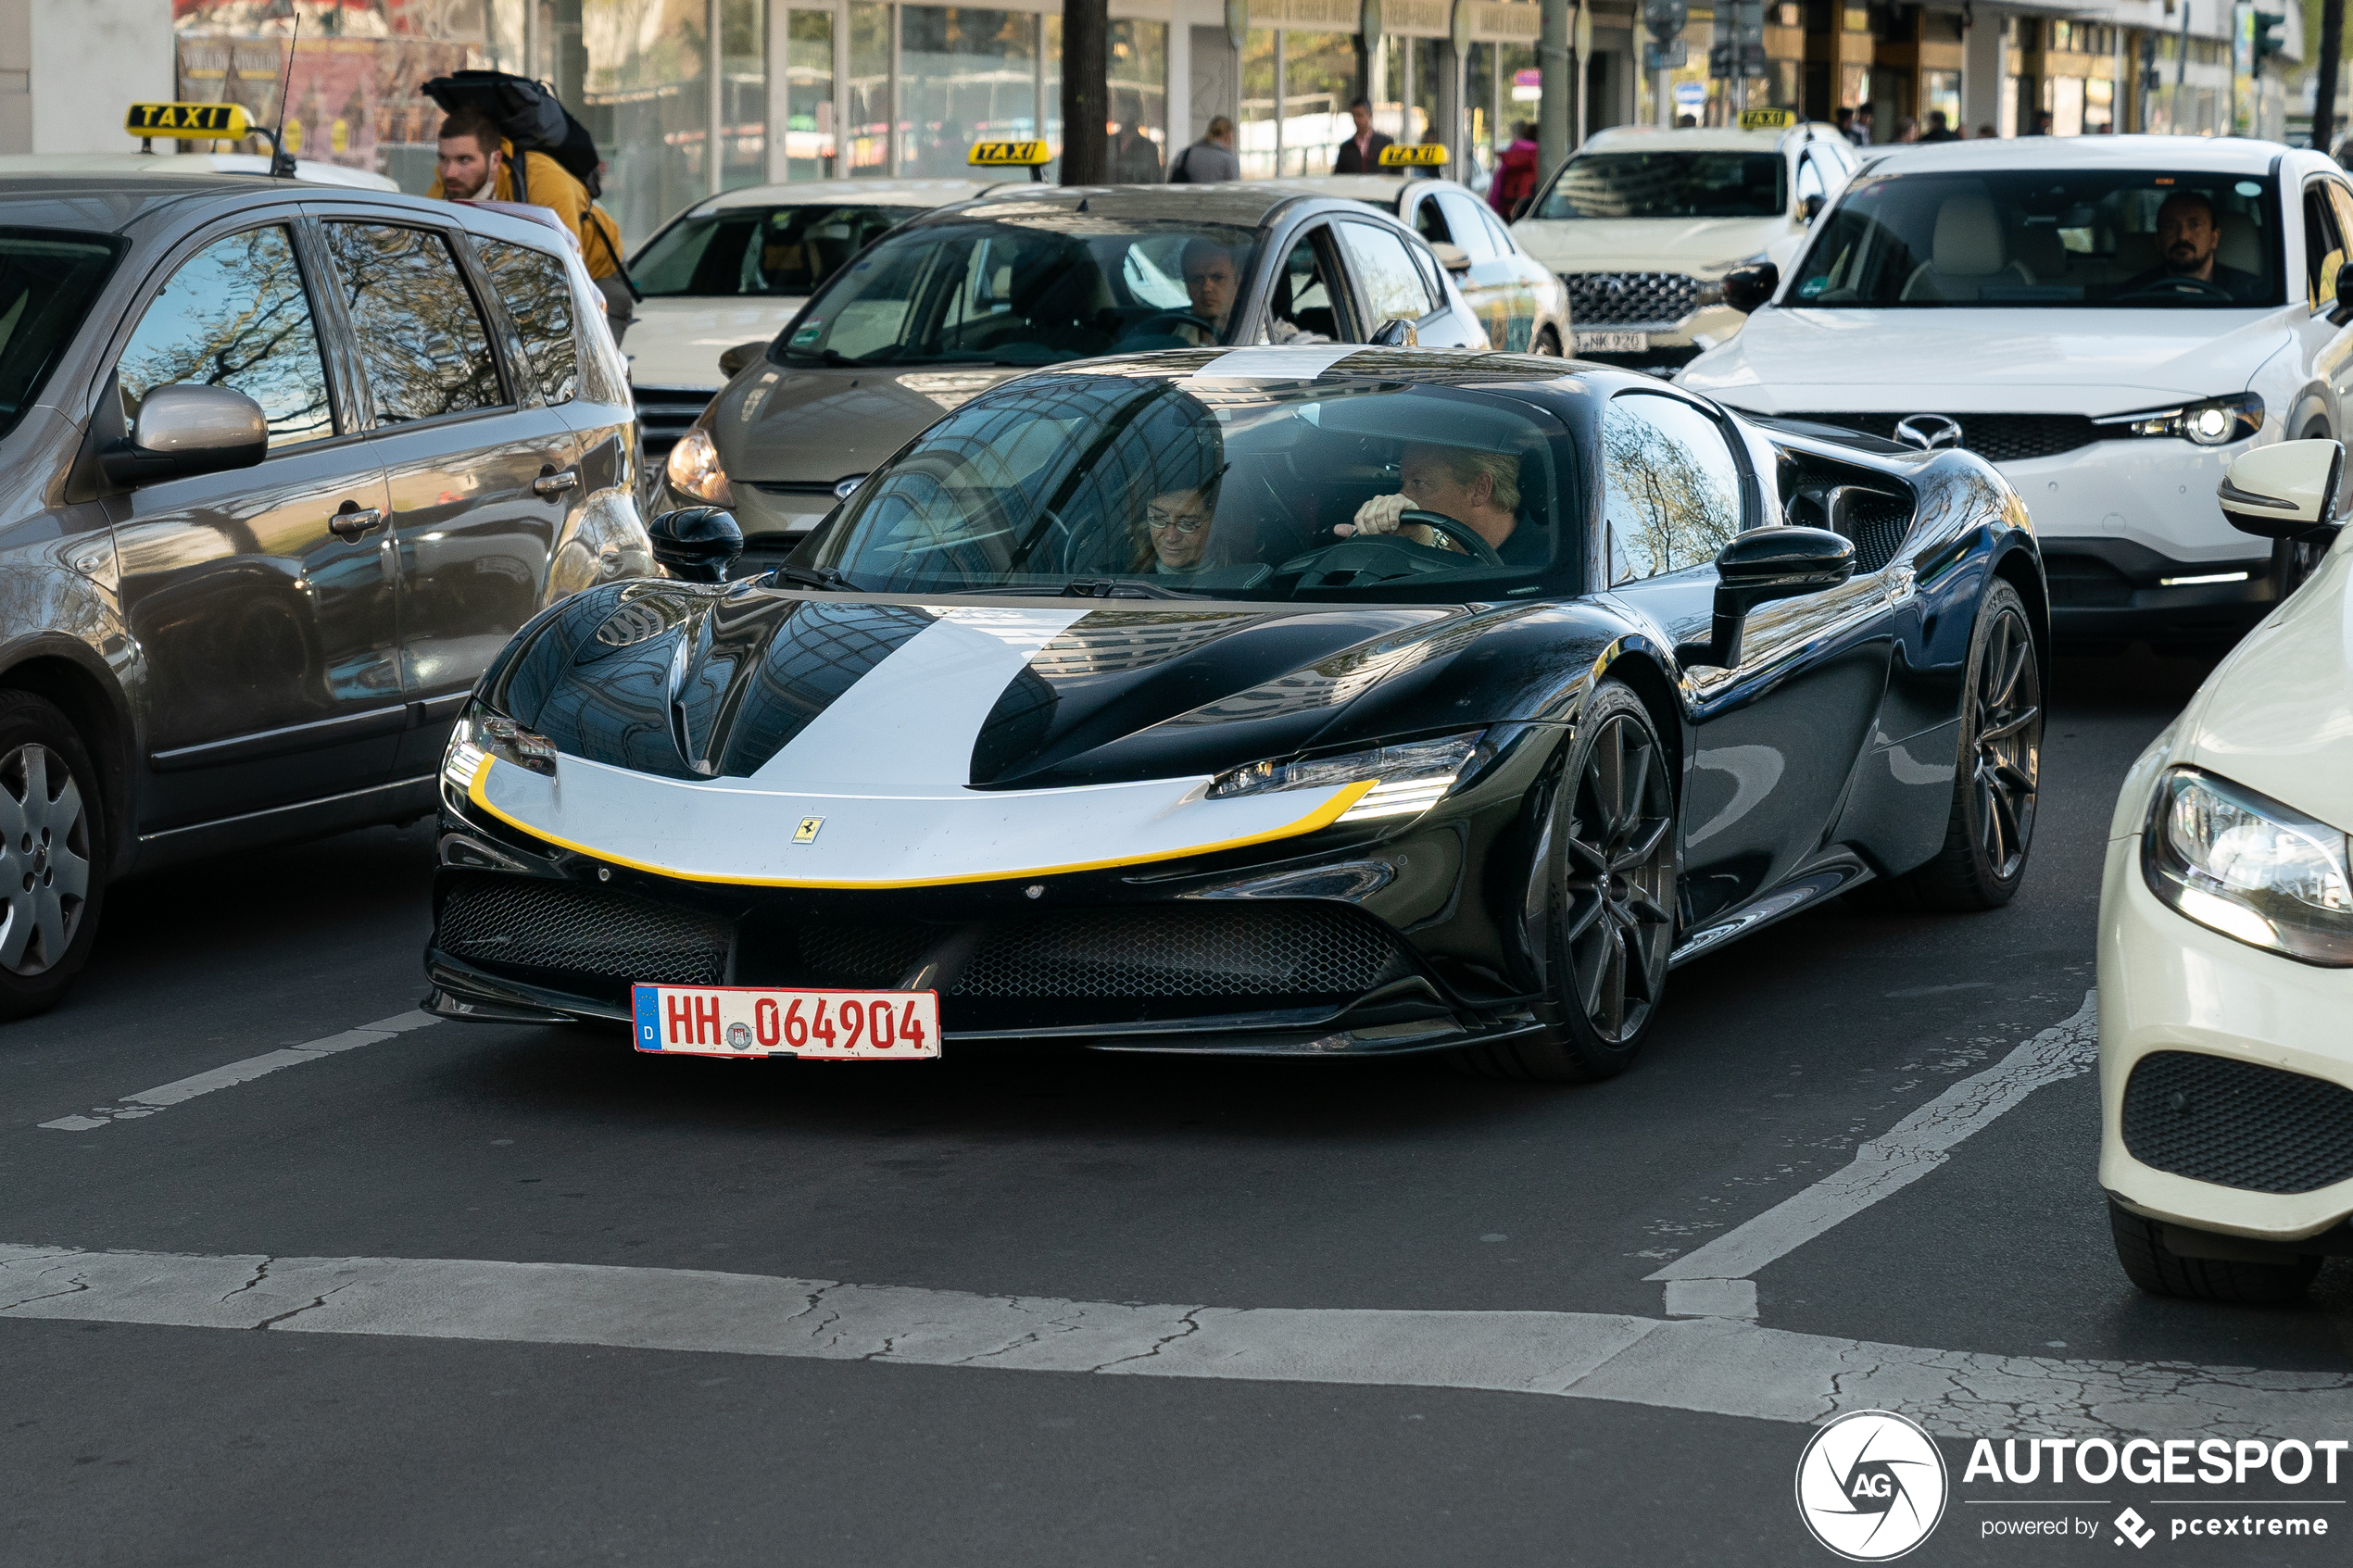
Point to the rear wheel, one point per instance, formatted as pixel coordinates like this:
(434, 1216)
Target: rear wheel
(2140, 1247)
(1607, 876)
(1991, 825)
(52, 855)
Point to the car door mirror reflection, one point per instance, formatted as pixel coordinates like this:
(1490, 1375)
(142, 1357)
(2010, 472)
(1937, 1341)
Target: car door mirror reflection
(1759, 567)
(696, 544)
(2288, 490)
(184, 429)
(1454, 257)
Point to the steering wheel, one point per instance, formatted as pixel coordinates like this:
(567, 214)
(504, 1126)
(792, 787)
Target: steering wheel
(1462, 534)
(2178, 288)
(1174, 318)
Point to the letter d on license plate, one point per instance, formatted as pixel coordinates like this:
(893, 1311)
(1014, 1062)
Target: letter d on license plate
(819, 1025)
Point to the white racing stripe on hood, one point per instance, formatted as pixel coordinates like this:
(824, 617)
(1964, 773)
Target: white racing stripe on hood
(1298, 362)
(909, 722)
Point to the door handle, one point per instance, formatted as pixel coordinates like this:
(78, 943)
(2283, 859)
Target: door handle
(554, 483)
(351, 522)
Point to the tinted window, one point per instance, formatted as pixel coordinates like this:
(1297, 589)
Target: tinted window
(538, 296)
(1301, 308)
(1429, 223)
(1671, 492)
(771, 250)
(1809, 180)
(46, 283)
(414, 322)
(1393, 285)
(1670, 185)
(2323, 247)
(1470, 231)
(235, 315)
(2059, 238)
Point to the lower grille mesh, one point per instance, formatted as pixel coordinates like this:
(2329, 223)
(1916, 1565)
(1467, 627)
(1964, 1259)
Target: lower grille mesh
(2237, 1123)
(527, 922)
(1877, 524)
(1182, 952)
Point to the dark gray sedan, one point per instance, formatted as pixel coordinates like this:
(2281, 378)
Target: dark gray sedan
(285, 465)
(949, 304)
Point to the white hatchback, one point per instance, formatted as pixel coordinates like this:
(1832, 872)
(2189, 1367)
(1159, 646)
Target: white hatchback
(2108, 320)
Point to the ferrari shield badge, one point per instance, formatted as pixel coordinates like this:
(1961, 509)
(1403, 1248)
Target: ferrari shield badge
(807, 832)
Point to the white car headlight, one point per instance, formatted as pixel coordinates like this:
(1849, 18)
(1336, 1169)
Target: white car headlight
(480, 734)
(1412, 777)
(694, 470)
(2250, 868)
(2218, 421)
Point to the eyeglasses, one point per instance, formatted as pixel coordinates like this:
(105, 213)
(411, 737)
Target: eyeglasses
(1160, 521)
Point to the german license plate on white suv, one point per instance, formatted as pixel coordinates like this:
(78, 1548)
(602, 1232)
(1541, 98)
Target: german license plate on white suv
(1612, 342)
(813, 1025)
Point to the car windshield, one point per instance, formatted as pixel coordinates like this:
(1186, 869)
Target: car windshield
(47, 280)
(1032, 288)
(2048, 237)
(1679, 184)
(760, 250)
(1116, 485)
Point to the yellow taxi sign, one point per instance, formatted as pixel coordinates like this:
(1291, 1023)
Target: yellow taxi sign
(189, 122)
(1010, 155)
(1768, 120)
(1430, 155)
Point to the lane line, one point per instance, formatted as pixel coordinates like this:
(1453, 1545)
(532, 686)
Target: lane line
(1886, 1165)
(147, 1102)
(1713, 1365)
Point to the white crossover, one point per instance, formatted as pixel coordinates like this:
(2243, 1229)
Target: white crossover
(2226, 937)
(1643, 224)
(2108, 320)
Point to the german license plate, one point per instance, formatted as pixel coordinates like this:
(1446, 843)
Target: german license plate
(1612, 342)
(813, 1025)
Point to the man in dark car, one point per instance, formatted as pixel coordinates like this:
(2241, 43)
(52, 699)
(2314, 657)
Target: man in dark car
(2188, 237)
(1478, 489)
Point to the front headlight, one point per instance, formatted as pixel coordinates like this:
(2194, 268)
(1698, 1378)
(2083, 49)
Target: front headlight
(694, 470)
(1410, 777)
(2250, 868)
(2218, 421)
(480, 734)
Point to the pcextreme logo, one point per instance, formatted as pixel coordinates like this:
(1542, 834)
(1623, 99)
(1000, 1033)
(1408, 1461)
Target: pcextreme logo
(1871, 1486)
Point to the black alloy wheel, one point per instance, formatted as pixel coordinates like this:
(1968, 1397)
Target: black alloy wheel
(1999, 776)
(1608, 915)
(53, 859)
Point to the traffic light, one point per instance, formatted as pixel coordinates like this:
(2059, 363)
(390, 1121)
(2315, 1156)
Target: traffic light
(2267, 43)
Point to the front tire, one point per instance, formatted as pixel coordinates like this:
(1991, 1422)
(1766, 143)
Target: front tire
(2140, 1247)
(52, 855)
(1995, 787)
(1607, 924)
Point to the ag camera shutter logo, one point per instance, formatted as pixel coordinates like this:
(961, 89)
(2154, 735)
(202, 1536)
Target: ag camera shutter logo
(1871, 1486)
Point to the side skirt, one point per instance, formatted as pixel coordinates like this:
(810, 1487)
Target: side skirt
(1825, 879)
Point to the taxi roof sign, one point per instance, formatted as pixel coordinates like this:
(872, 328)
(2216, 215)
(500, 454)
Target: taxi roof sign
(1768, 120)
(1430, 155)
(1010, 155)
(189, 122)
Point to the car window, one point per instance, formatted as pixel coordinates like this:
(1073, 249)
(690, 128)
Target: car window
(1669, 184)
(2324, 246)
(47, 280)
(1505, 245)
(773, 250)
(235, 315)
(1809, 181)
(1302, 306)
(413, 321)
(1465, 218)
(538, 296)
(1392, 286)
(1670, 489)
(1430, 223)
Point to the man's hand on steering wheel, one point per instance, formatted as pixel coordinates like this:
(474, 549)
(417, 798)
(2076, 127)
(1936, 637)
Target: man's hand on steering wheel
(1384, 515)
(1160, 321)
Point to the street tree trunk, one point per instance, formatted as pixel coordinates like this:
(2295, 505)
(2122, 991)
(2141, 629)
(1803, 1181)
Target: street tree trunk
(1086, 92)
(2332, 57)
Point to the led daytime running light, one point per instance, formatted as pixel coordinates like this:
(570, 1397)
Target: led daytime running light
(480, 736)
(1409, 778)
(2257, 870)
(2218, 421)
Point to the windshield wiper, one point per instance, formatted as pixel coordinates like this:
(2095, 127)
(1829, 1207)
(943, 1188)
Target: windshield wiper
(814, 577)
(1121, 588)
(822, 357)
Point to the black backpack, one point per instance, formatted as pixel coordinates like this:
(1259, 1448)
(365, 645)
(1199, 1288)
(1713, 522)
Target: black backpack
(528, 115)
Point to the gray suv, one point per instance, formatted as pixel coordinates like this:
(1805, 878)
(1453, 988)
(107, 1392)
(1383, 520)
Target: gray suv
(282, 466)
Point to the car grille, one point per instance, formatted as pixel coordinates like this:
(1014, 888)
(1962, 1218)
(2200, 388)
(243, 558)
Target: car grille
(1997, 438)
(1178, 951)
(1877, 524)
(2238, 1123)
(2086, 582)
(513, 922)
(663, 414)
(1629, 299)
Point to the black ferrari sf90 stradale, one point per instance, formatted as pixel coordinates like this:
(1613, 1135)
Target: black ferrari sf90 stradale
(1303, 700)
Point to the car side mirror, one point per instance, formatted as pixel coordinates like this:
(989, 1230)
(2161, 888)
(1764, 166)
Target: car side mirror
(1748, 286)
(1758, 567)
(1395, 333)
(1812, 204)
(2342, 311)
(741, 355)
(2287, 490)
(1454, 257)
(696, 544)
(187, 429)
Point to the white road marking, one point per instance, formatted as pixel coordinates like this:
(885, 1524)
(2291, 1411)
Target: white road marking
(147, 1102)
(1909, 1150)
(1707, 1364)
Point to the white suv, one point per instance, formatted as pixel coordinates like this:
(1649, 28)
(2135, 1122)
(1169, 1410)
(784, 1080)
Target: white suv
(2107, 319)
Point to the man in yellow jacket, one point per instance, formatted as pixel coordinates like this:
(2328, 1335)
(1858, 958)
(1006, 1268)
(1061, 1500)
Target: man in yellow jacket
(475, 165)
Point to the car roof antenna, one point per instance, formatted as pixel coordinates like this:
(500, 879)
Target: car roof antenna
(281, 166)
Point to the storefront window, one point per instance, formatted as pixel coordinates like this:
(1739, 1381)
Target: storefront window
(1139, 71)
(868, 109)
(809, 95)
(1479, 102)
(1941, 90)
(1428, 77)
(647, 104)
(743, 93)
(1254, 138)
(966, 75)
(2099, 108)
(1319, 77)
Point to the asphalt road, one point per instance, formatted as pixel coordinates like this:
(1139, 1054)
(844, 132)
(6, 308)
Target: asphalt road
(1394, 1187)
